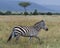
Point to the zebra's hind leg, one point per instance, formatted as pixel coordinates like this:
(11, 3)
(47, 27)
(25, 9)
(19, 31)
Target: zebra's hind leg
(30, 38)
(17, 37)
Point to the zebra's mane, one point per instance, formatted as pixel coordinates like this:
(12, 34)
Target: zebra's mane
(39, 22)
(37, 25)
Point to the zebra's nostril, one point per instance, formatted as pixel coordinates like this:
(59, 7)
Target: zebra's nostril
(47, 29)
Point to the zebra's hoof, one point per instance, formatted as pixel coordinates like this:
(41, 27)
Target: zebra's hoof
(41, 42)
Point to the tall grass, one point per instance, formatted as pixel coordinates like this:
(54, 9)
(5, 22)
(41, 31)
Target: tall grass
(50, 39)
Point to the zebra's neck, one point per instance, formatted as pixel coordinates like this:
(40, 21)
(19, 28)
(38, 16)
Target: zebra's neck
(37, 27)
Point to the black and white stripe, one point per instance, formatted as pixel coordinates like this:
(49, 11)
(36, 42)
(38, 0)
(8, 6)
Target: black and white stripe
(28, 31)
(20, 30)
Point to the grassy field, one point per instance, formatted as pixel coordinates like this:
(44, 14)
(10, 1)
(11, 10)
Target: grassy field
(49, 39)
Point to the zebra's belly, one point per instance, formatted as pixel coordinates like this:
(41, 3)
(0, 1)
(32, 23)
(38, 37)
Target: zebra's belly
(29, 34)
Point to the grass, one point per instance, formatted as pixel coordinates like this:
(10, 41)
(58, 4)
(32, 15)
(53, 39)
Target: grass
(50, 39)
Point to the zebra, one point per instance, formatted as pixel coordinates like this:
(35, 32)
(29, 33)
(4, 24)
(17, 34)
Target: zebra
(28, 31)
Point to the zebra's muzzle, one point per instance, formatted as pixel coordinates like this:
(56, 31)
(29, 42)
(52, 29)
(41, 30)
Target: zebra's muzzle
(47, 29)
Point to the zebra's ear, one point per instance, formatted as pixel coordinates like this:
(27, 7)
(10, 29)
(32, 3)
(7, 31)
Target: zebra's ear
(42, 20)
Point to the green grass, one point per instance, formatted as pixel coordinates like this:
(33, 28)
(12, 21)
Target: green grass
(49, 39)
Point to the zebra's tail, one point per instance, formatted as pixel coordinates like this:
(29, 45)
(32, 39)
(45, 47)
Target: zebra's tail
(9, 38)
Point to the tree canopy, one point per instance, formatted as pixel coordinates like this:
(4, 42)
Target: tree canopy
(24, 4)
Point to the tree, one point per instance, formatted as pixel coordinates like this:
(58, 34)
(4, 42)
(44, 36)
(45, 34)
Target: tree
(26, 13)
(35, 12)
(31, 13)
(49, 13)
(24, 4)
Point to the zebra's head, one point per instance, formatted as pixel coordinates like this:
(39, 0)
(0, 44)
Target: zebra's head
(43, 25)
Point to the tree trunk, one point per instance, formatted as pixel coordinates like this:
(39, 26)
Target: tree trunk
(25, 10)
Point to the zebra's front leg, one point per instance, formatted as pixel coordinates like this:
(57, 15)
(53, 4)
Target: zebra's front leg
(37, 38)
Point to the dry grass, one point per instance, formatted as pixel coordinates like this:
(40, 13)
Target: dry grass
(50, 39)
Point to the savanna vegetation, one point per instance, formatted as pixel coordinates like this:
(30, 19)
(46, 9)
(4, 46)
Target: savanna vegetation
(35, 12)
(49, 39)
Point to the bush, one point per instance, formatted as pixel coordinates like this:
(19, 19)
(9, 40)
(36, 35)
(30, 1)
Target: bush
(8, 13)
(1, 13)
